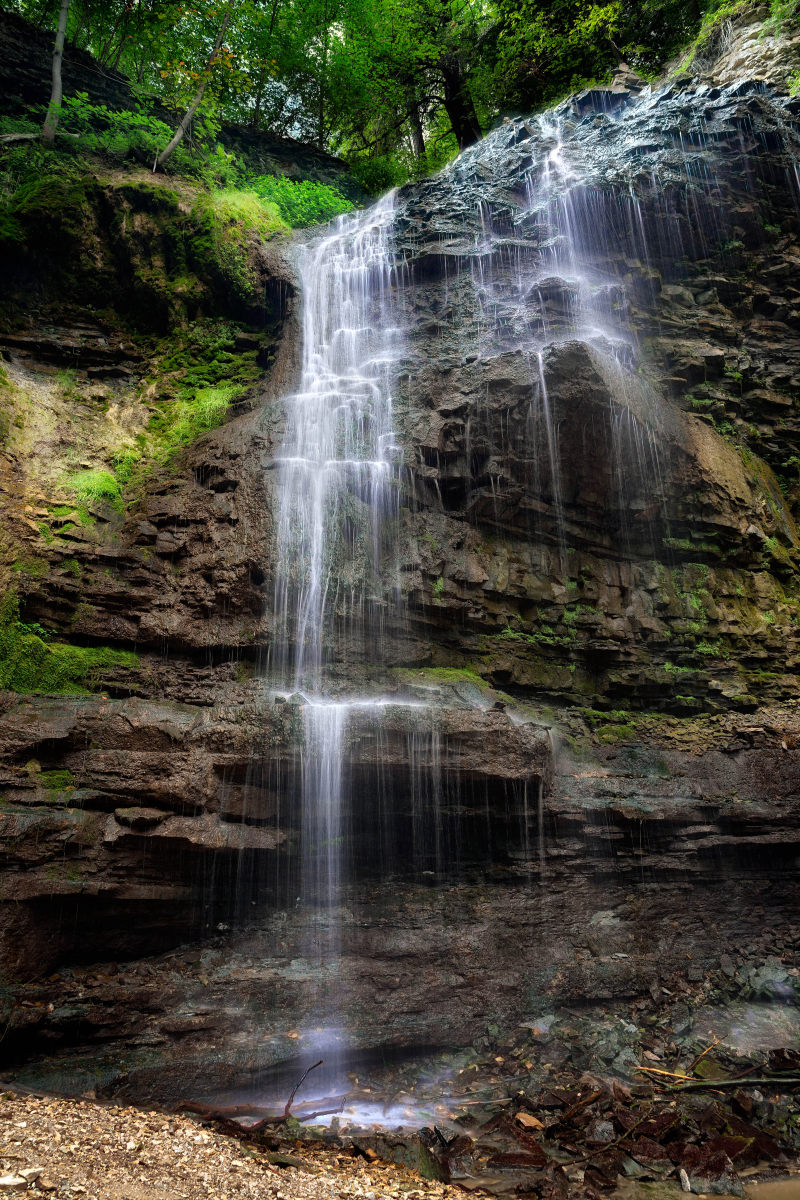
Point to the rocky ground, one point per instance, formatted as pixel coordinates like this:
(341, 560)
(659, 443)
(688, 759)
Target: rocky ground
(75, 1148)
(692, 1085)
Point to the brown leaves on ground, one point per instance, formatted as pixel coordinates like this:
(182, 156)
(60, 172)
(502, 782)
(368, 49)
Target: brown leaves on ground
(78, 1150)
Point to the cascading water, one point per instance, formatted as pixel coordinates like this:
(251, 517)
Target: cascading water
(525, 262)
(339, 482)
(337, 470)
(336, 464)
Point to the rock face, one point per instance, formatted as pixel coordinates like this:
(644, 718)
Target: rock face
(599, 517)
(115, 807)
(567, 511)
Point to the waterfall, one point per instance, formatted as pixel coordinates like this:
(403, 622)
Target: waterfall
(490, 314)
(336, 490)
(337, 460)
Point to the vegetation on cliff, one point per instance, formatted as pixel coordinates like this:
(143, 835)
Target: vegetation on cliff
(32, 661)
(395, 86)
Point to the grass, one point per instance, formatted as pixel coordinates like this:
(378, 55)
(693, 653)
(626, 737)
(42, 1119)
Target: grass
(95, 486)
(246, 210)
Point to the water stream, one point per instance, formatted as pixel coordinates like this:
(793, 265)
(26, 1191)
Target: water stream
(339, 455)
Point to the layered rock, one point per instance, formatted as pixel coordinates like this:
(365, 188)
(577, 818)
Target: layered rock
(149, 821)
(610, 530)
(600, 522)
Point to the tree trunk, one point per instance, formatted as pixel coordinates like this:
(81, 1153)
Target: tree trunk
(417, 132)
(322, 83)
(262, 73)
(188, 116)
(259, 93)
(106, 46)
(54, 107)
(458, 103)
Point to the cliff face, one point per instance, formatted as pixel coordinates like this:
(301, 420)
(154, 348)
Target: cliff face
(614, 548)
(652, 559)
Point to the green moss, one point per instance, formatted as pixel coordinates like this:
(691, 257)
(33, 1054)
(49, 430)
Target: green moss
(545, 635)
(31, 662)
(56, 780)
(713, 649)
(95, 486)
(200, 376)
(616, 733)
(36, 568)
(247, 210)
(440, 675)
(41, 201)
(226, 222)
(674, 669)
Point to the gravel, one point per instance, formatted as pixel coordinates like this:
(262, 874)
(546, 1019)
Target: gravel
(80, 1150)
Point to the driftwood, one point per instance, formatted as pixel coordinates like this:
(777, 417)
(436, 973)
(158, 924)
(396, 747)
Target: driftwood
(780, 1083)
(226, 1114)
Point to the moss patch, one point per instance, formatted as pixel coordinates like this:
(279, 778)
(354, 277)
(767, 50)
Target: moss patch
(31, 662)
(95, 486)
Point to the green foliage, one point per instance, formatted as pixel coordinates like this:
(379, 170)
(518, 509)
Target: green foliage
(379, 173)
(395, 86)
(300, 203)
(187, 418)
(202, 378)
(56, 780)
(781, 11)
(95, 486)
(30, 661)
(232, 212)
(119, 135)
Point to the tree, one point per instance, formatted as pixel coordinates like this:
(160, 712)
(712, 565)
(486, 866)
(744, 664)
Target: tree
(197, 99)
(54, 107)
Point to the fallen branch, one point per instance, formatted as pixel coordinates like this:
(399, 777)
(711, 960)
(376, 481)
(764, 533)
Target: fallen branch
(656, 1071)
(227, 1112)
(700, 1057)
(221, 1113)
(7, 139)
(699, 1085)
(297, 1087)
(581, 1104)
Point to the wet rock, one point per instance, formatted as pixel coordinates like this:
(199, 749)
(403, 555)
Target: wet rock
(714, 1174)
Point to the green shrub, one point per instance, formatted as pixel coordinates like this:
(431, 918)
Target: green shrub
(95, 486)
(301, 202)
(376, 175)
(122, 135)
